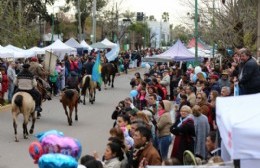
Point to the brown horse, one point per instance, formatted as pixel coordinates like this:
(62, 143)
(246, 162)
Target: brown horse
(87, 84)
(108, 70)
(69, 98)
(23, 103)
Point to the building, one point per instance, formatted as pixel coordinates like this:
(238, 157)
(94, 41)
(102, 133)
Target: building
(160, 33)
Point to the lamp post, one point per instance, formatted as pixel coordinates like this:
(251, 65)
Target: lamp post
(143, 42)
(196, 31)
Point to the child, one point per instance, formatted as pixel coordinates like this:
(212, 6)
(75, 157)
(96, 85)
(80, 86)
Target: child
(4, 84)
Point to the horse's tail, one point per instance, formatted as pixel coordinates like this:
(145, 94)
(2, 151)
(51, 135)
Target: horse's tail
(18, 101)
(86, 84)
(69, 93)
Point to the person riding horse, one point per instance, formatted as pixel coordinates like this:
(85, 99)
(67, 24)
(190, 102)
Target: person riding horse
(88, 68)
(73, 81)
(26, 82)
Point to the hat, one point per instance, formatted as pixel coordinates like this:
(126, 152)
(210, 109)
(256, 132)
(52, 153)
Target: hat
(34, 59)
(26, 66)
(213, 77)
(166, 70)
(224, 73)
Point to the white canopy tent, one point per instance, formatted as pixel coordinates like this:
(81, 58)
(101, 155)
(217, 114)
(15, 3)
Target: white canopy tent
(85, 45)
(238, 122)
(20, 53)
(73, 43)
(6, 53)
(99, 45)
(37, 50)
(60, 49)
(108, 43)
(201, 52)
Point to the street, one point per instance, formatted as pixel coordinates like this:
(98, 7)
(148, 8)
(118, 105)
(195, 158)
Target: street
(92, 129)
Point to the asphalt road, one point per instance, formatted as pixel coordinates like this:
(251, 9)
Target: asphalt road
(92, 129)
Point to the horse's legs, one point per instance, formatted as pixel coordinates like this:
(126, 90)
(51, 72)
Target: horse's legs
(66, 112)
(84, 99)
(109, 80)
(76, 112)
(33, 122)
(94, 95)
(70, 115)
(15, 127)
(113, 78)
(25, 131)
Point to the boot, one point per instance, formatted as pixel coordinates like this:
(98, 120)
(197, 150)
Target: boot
(38, 109)
(98, 86)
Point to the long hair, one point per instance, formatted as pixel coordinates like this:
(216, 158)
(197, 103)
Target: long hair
(117, 150)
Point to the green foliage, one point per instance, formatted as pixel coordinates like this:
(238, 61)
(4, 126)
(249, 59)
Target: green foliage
(182, 33)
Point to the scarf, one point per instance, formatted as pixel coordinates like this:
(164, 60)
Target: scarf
(137, 151)
(183, 119)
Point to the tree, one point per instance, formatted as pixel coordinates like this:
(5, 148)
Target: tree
(20, 27)
(182, 33)
(165, 17)
(85, 9)
(151, 18)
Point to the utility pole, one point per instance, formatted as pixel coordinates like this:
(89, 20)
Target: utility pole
(20, 12)
(79, 20)
(213, 29)
(196, 32)
(94, 8)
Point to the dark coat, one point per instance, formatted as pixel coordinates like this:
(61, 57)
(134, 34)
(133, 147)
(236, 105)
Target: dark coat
(250, 81)
(184, 135)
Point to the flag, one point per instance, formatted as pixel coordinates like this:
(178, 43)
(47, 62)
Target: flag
(96, 71)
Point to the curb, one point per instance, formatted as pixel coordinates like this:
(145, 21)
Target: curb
(5, 108)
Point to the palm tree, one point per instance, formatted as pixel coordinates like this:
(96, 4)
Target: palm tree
(165, 16)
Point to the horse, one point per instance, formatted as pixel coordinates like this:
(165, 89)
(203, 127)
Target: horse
(108, 70)
(88, 84)
(22, 102)
(69, 98)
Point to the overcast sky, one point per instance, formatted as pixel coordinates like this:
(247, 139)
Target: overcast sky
(177, 9)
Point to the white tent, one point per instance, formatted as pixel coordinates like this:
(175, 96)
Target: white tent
(201, 52)
(22, 53)
(99, 45)
(85, 45)
(37, 50)
(6, 53)
(60, 49)
(238, 122)
(73, 43)
(108, 43)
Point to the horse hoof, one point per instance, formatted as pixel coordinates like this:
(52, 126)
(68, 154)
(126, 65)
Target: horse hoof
(25, 137)
(16, 140)
(31, 131)
(92, 102)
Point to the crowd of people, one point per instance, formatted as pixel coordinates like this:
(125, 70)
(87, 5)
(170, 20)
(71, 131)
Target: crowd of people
(175, 106)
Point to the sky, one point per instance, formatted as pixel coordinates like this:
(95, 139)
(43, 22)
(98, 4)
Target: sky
(177, 9)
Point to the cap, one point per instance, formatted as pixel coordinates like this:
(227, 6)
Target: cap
(34, 59)
(213, 77)
(224, 73)
(26, 66)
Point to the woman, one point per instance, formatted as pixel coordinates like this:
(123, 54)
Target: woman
(201, 100)
(201, 130)
(113, 155)
(184, 132)
(212, 103)
(163, 126)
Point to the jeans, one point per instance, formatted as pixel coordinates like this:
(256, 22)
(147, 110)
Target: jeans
(10, 91)
(164, 143)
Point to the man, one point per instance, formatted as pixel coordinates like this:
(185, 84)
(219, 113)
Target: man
(225, 91)
(72, 81)
(144, 153)
(26, 82)
(212, 145)
(224, 80)
(249, 74)
(213, 81)
(88, 66)
(11, 77)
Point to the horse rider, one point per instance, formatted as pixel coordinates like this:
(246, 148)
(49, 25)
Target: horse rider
(88, 67)
(73, 81)
(26, 82)
(37, 70)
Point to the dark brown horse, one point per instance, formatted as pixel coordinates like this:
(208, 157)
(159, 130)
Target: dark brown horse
(108, 73)
(87, 84)
(69, 98)
(23, 103)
